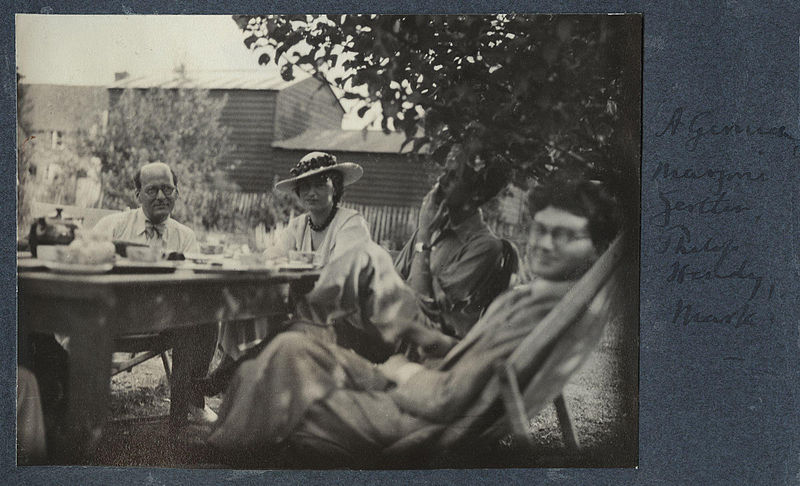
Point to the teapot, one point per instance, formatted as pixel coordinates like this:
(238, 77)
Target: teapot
(54, 230)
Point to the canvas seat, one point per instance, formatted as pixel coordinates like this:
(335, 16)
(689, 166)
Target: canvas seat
(335, 428)
(536, 372)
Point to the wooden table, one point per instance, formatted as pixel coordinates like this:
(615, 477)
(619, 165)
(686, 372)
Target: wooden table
(95, 309)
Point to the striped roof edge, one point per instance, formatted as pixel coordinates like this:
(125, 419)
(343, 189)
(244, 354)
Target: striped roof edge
(223, 79)
(364, 141)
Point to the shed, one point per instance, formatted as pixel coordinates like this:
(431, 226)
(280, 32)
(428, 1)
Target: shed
(391, 177)
(261, 108)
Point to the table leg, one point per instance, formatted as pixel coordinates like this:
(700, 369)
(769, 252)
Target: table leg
(89, 385)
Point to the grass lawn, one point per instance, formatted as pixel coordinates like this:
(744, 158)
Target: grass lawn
(138, 433)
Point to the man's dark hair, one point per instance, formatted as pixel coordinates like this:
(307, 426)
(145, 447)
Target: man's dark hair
(336, 178)
(137, 178)
(489, 181)
(588, 199)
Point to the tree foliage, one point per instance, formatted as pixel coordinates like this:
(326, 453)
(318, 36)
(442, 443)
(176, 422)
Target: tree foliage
(179, 127)
(542, 92)
(24, 166)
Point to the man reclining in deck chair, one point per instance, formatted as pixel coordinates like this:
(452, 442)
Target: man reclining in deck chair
(310, 395)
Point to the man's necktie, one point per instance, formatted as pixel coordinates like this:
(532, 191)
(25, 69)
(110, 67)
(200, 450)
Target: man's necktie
(153, 230)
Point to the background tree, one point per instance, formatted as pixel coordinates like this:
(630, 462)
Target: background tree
(25, 170)
(179, 127)
(544, 92)
(45, 172)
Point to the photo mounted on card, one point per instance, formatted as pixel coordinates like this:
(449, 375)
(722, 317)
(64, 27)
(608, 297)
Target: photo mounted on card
(329, 241)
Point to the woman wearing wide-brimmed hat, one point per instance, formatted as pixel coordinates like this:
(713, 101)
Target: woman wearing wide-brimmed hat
(325, 228)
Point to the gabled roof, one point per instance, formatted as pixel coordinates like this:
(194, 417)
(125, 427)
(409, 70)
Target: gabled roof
(228, 79)
(366, 141)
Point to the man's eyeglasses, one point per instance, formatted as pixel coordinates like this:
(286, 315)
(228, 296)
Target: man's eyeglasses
(561, 236)
(152, 191)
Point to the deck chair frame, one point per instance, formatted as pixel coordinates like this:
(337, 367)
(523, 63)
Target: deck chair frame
(518, 378)
(569, 310)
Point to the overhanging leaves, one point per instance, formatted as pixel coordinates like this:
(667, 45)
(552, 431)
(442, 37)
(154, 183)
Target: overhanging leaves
(510, 86)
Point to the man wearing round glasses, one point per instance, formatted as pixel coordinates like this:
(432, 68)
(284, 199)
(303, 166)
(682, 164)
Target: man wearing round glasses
(157, 190)
(573, 223)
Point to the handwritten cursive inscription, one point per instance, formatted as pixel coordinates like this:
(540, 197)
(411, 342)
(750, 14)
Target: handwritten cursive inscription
(682, 244)
(718, 176)
(683, 272)
(698, 196)
(685, 314)
(702, 126)
(715, 204)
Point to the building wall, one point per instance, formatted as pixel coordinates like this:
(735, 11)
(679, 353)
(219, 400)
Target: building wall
(306, 105)
(47, 109)
(259, 117)
(389, 179)
(302, 106)
(250, 115)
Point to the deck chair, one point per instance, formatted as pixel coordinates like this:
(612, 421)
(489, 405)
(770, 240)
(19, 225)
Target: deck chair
(536, 372)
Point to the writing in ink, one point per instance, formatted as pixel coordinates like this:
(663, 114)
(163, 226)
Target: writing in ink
(716, 204)
(685, 314)
(683, 272)
(682, 244)
(718, 176)
(703, 126)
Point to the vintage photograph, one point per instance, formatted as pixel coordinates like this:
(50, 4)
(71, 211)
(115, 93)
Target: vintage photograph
(328, 241)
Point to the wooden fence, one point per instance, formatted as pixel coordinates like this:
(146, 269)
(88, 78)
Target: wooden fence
(388, 225)
(236, 212)
(227, 211)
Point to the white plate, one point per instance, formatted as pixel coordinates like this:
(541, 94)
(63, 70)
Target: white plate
(59, 267)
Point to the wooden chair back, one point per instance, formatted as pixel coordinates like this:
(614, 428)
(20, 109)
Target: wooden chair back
(549, 356)
(89, 216)
(536, 372)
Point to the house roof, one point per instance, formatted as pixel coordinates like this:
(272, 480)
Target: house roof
(228, 79)
(368, 141)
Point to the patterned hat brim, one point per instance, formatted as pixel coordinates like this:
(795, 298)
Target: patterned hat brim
(350, 171)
